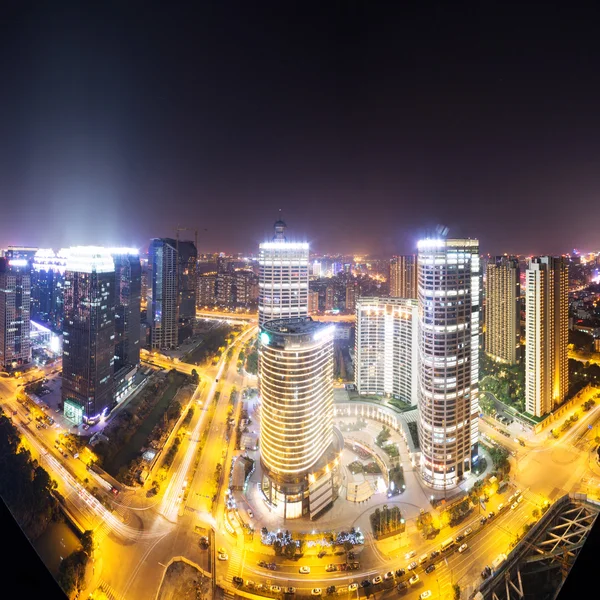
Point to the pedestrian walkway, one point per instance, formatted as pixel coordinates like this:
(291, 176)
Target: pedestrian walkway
(109, 591)
(233, 568)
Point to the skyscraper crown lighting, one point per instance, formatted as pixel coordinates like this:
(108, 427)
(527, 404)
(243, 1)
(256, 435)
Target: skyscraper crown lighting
(90, 259)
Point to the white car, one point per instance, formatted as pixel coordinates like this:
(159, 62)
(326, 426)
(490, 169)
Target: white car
(468, 531)
(377, 580)
(413, 565)
(514, 505)
(414, 580)
(410, 554)
(222, 556)
(519, 499)
(463, 548)
(315, 592)
(353, 587)
(389, 575)
(275, 589)
(425, 594)
(304, 570)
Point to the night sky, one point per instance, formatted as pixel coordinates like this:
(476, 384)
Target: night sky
(367, 125)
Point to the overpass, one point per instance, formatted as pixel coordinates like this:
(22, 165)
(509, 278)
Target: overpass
(541, 561)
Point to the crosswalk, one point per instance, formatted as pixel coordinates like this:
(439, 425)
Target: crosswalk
(233, 567)
(109, 591)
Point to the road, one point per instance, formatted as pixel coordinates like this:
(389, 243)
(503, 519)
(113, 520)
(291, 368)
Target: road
(253, 318)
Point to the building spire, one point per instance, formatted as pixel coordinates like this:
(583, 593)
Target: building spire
(280, 228)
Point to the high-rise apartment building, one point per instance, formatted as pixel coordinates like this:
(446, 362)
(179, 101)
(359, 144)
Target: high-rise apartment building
(283, 278)
(403, 276)
(163, 306)
(88, 334)
(188, 258)
(503, 310)
(329, 297)
(206, 294)
(546, 334)
(449, 304)
(296, 429)
(15, 306)
(313, 302)
(351, 294)
(387, 347)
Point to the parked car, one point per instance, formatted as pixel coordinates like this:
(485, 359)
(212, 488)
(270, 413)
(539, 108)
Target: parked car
(413, 565)
(430, 569)
(389, 575)
(514, 505)
(275, 589)
(330, 568)
(304, 570)
(238, 580)
(425, 594)
(402, 586)
(365, 583)
(353, 587)
(377, 579)
(290, 590)
(250, 584)
(222, 556)
(330, 590)
(414, 580)
(315, 592)
(400, 572)
(463, 548)
(434, 554)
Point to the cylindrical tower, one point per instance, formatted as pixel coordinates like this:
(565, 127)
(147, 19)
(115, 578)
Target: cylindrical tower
(296, 391)
(448, 287)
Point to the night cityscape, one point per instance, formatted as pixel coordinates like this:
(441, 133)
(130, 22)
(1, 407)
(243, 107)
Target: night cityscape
(299, 300)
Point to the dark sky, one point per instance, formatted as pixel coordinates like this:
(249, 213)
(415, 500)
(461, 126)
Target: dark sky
(366, 123)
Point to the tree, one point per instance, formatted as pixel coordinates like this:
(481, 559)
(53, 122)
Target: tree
(195, 378)
(456, 590)
(383, 436)
(87, 542)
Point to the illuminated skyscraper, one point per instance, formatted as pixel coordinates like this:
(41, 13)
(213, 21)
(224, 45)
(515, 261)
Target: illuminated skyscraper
(15, 306)
(503, 310)
(403, 276)
(88, 333)
(283, 278)
(163, 306)
(546, 334)
(188, 258)
(128, 290)
(351, 293)
(298, 453)
(387, 347)
(449, 304)
(313, 302)
(47, 280)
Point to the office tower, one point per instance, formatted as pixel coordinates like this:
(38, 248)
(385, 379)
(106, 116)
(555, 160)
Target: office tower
(206, 295)
(313, 302)
(503, 310)
(26, 253)
(188, 257)
(146, 288)
(128, 292)
(15, 306)
(386, 347)
(546, 334)
(296, 429)
(351, 292)
(403, 276)
(163, 307)
(88, 334)
(449, 304)
(283, 277)
(47, 278)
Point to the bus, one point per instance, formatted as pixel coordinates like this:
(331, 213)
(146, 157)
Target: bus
(447, 544)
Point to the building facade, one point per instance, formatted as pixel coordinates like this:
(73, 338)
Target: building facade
(313, 302)
(296, 428)
(47, 280)
(503, 310)
(15, 316)
(351, 294)
(403, 276)
(163, 305)
(88, 334)
(449, 328)
(283, 278)
(206, 295)
(546, 334)
(386, 347)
